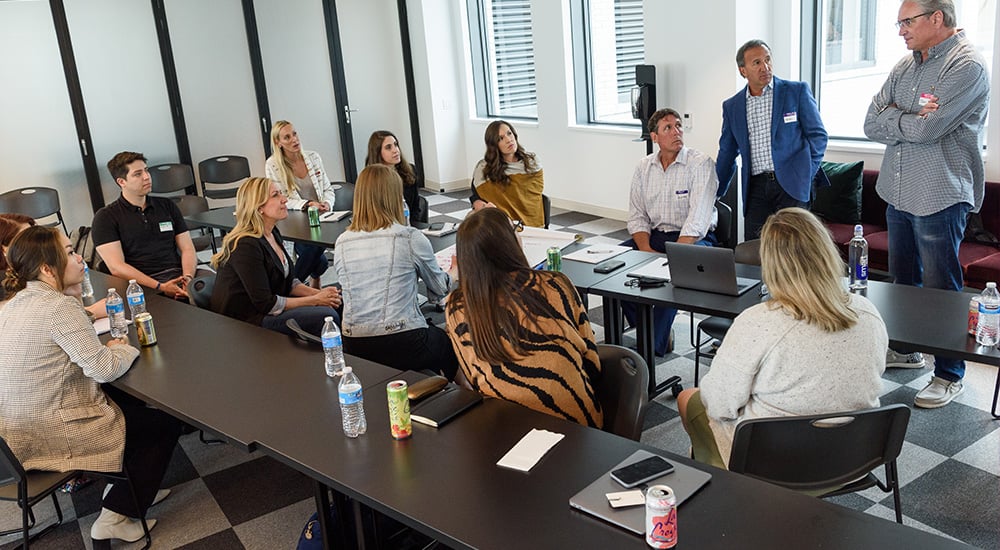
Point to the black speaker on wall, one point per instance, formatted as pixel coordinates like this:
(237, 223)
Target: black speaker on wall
(644, 96)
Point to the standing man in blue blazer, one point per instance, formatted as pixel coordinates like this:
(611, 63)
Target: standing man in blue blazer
(774, 125)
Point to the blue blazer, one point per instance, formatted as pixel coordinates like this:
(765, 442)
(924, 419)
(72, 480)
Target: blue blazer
(798, 140)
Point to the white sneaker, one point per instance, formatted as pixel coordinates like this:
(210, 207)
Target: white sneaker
(112, 525)
(938, 393)
(895, 360)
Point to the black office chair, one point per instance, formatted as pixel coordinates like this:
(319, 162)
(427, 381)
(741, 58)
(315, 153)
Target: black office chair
(200, 290)
(815, 453)
(424, 214)
(28, 488)
(221, 176)
(36, 202)
(747, 252)
(546, 209)
(344, 197)
(622, 390)
(171, 179)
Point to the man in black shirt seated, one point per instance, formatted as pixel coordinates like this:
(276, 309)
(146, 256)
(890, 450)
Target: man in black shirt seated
(141, 237)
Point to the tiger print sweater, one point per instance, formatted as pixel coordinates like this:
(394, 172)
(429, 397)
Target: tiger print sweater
(559, 375)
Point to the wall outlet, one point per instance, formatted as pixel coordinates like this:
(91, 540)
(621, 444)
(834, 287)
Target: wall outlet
(688, 121)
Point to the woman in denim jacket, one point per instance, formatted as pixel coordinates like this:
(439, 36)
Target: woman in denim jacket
(378, 260)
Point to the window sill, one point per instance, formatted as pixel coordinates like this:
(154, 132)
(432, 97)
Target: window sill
(612, 129)
(854, 146)
(521, 122)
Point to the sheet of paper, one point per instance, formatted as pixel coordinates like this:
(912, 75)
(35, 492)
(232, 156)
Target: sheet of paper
(536, 241)
(334, 216)
(597, 253)
(449, 227)
(529, 450)
(103, 326)
(443, 257)
(656, 269)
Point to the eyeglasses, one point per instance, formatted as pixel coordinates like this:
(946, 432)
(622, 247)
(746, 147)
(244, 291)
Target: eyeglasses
(518, 225)
(909, 20)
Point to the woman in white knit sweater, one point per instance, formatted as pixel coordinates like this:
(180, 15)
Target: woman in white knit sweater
(812, 348)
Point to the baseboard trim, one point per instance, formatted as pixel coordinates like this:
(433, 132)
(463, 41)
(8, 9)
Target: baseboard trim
(602, 211)
(446, 186)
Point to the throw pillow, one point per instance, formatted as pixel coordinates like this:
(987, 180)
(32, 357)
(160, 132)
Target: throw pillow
(841, 201)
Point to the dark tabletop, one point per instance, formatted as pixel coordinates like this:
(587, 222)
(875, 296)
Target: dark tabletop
(294, 228)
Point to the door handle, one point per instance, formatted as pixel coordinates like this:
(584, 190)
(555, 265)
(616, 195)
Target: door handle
(347, 113)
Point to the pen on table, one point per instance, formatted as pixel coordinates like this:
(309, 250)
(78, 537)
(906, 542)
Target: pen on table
(664, 264)
(599, 251)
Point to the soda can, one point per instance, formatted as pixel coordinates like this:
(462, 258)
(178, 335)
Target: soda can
(399, 409)
(974, 314)
(313, 216)
(661, 517)
(553, 259)
(144, 326)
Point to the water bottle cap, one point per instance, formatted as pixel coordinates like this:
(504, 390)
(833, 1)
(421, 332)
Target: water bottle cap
(346, 370)
(328, 319)
(131, 281)
(991, 285)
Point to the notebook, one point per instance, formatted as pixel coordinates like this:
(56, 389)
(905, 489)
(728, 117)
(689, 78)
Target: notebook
(706, 268)
(437, 409)
(684, 480)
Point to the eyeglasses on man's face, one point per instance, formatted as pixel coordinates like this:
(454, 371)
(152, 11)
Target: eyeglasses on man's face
(910, 20)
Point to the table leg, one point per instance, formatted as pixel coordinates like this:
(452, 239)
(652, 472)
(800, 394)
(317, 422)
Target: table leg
(612, 321)
(996, 393)
(645, 342)
(334, 532)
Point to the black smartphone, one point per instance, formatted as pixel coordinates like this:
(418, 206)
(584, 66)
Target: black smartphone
(642, 471)
(436, 226)
(608, 266)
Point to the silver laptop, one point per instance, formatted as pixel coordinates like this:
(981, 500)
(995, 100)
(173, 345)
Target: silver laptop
(684, 480)
(706, 268)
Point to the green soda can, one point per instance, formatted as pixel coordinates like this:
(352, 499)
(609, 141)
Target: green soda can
(313, 216)
(553, 259)
(399, 409)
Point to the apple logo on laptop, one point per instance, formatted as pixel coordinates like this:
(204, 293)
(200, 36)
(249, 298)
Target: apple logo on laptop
(701, 268)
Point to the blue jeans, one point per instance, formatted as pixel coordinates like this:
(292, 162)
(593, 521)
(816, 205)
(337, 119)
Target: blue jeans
(923, 251)
(309, 261)
(663, 317)
(310, 318)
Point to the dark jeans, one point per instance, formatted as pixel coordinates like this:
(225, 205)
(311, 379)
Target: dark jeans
(765, 197)
(418, 349)
(310, 318)
(663, 317)
(150, 438)
(923, 251)
(309, 261)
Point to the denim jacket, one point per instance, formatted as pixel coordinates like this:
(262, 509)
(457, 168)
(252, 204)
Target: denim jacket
(378, 271)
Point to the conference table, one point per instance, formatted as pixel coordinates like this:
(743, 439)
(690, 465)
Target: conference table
(261, 390)
(294, 228)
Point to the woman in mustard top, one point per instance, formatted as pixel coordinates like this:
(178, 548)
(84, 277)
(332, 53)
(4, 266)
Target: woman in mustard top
(509, 177)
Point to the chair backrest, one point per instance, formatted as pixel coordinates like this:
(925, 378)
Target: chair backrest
(723, 229)
(36, 202)
(748, 252)
(200, 290)
(344, 197)
(807, 453)
(171, 178)
(191, 204)
(424, 214)
(222, 176)
(622, 390)
(546, 209)
(11, 470)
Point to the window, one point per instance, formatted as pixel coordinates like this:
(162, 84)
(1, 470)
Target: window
(503, 58)
(856, 45)
(607, 45)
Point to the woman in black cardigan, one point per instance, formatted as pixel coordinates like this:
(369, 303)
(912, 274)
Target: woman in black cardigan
(255, 281)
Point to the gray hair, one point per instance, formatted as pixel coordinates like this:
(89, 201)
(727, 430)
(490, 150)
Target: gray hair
(755, 43)
(946, 7)
(654, 121)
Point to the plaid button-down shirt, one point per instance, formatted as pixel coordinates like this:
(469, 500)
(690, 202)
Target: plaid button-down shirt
(680, 198)
(759, 110)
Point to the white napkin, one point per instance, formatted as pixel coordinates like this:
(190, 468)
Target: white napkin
(529, 450)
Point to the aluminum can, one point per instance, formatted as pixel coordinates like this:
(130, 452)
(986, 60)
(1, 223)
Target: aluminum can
(974, 314)
(661, 517)
(553, 259)
(399, 409)
(144, 326)
(313, 216)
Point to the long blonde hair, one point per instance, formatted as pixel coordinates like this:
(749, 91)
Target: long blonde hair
(378, 199)
(278, 154)
(249, 198)
(803, 270)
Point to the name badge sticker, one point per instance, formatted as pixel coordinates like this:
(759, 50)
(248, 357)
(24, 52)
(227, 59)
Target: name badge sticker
(791, 117)
(681, 193)
(166, 227)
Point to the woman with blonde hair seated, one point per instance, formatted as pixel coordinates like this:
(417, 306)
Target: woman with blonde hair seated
(378, 261)
(255, 282)
(520, 334)
(812, 348)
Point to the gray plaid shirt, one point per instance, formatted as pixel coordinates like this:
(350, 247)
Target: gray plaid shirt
(759, 127)
(932, 162)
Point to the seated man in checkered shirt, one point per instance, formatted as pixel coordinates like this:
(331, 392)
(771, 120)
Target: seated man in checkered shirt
(672, 199)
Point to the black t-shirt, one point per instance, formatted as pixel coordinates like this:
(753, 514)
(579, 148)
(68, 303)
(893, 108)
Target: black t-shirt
(147, 236)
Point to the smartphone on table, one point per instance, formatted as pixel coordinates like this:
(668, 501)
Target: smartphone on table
(640, 472)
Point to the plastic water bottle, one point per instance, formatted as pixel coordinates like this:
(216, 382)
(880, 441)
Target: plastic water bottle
(989, 316)
(333, 348)
(352, 404)
(87, 289)
(116, 314)
(857, 256)
(406, 212)
(136, 298)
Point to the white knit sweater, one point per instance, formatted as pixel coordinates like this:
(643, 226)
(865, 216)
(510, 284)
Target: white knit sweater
(772, 365)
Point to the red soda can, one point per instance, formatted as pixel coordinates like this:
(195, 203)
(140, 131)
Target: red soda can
(974, 314)
(661, 517)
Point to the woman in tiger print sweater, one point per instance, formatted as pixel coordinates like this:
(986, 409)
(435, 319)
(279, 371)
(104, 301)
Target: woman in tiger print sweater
(520, 334)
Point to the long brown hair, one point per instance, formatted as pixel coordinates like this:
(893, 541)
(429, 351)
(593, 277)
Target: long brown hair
(30, 251)
(496, 167)
(489, 262)
(10, 226)
(803, 270)
(378, 199)
(404, 168)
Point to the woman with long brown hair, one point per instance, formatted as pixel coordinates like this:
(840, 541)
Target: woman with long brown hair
(508, 177)
(383, 148)
(520, 334)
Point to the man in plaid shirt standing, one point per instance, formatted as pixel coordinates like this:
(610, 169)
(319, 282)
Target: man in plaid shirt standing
(930, 114)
